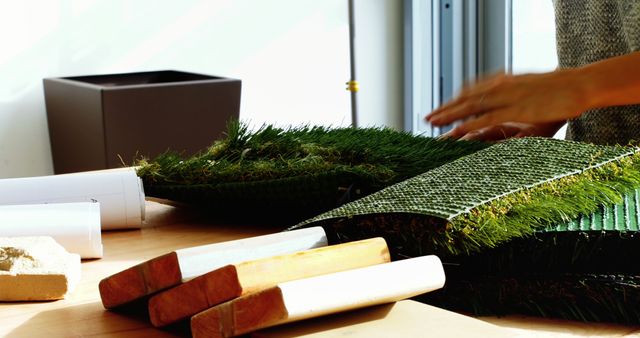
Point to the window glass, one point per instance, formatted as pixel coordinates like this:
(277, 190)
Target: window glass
(534, 39)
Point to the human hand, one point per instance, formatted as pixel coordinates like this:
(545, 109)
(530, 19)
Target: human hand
(508, 130)
(530, 98)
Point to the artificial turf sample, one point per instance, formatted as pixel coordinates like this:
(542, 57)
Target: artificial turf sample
(508, 219)
(595, 243)
(514, 223)
(583, 270)
(288, 175)
(506, 191)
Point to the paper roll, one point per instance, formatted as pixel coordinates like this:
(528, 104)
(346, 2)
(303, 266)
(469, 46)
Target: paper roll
(75, 226)
(118, 191)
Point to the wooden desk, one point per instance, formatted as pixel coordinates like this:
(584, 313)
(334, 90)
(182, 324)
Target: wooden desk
(166, 229)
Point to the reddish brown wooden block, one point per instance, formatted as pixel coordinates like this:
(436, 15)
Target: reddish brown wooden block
(182, 265)
(140, 280)
(231, 281)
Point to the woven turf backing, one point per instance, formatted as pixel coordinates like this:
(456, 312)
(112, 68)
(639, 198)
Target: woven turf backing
(473, 180)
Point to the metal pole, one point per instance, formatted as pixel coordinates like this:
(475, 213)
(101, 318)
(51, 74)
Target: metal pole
(352, 85)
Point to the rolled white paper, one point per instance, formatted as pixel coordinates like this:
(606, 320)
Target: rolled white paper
(75, 226)
(119, 193)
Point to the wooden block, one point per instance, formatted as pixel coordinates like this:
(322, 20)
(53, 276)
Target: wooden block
(36, 268)
(320, 295)
(182, 265)
(239, 279)
(406, 318)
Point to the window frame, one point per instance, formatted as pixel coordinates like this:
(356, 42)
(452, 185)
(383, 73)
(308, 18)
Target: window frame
(449, 43)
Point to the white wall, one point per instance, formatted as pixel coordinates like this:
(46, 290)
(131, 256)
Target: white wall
(292, 56)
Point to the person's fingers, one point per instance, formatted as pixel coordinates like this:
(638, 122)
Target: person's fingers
(487, 94)
(464, 110)
(447, 135)
(492, 118)
(473, 136)
(453, 134)
(493, 133)
(455, 112)
(462, 99)
(461, 108)
(443, 108)
(470, 94)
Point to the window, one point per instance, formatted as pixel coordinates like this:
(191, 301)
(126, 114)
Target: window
(450, 42)
(534, 39)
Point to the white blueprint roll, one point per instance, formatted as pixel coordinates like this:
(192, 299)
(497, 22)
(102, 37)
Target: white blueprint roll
(118, 191)
(75, 226)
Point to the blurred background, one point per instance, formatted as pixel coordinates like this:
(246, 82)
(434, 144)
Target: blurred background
(291, 55)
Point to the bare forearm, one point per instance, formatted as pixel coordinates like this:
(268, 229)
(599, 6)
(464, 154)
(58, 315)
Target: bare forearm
(543, 98)
(612, 82)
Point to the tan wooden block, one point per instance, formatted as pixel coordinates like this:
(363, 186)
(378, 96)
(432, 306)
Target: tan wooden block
(215, 287)
(320, 295)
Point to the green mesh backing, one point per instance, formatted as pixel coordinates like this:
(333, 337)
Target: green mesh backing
(414, 215)
(461, 185)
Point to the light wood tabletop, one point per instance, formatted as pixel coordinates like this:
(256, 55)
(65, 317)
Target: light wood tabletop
(168, 228)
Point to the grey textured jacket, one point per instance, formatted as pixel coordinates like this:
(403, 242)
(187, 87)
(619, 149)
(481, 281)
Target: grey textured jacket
(588, 31)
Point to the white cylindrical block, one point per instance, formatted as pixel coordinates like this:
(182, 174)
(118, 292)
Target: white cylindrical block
(352, 289)
(75, 226)
(119, 193)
